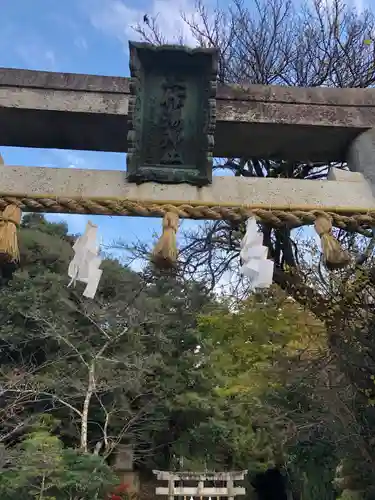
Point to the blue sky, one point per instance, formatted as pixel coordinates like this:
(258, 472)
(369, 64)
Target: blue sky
(81, 36)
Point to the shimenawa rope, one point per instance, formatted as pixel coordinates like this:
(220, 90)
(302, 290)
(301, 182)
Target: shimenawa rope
(353, 222)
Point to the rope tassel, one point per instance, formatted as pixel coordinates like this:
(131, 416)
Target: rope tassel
(334, 255)
(164, 255)
(10, 220)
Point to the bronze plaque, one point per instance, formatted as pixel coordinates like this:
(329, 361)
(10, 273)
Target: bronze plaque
(172, 114)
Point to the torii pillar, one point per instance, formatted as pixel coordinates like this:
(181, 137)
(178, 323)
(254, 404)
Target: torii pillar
(361, 156)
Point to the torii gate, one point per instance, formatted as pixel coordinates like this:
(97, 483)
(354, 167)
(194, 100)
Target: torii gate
(197, 487)
(171, 118)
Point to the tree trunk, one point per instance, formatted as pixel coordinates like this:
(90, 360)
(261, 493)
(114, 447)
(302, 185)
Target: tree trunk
(86, 405)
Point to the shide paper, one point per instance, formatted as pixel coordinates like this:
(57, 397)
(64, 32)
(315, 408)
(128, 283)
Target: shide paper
(85, 264)
(255, 264)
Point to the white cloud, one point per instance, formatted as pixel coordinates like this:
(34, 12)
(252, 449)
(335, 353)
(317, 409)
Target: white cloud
(69, 159)
(34, 53)
(28, 47)
(81, 43)
(116, 18)
(74, 160)
(93, 160)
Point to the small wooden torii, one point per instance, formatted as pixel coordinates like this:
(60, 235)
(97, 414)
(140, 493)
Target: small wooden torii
(228, 491)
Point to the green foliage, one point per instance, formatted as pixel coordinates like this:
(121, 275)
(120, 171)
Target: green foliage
(247, 354)
(40, 468)
(312, 466)
(158, 362)
(135, 343)
(250, 342)
(350, 495)
(38, 223)
(86, 475)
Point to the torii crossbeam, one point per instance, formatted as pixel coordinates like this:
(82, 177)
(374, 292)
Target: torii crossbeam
(345, 196)
(171, 121)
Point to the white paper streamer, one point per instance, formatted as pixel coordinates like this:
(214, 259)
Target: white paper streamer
(85, 264)
(255, 264)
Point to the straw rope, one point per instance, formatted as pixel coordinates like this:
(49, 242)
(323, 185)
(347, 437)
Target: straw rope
(354, 222)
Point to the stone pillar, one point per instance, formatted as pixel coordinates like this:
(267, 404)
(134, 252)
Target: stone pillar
(361, 157)
(124, 457)
(124, 467)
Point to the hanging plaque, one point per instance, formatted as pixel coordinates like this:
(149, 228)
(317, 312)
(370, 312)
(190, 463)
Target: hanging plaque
(172, 114)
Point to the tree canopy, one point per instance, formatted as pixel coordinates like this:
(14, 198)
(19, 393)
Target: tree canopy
(161, 363)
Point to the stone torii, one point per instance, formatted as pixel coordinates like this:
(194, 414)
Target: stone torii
(176, 120)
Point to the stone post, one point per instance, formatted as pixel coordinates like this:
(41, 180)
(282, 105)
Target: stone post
(124, 466)
(361, 157)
